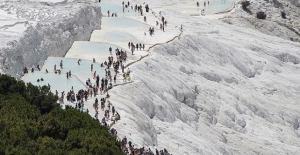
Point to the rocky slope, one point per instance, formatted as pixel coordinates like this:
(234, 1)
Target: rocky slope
(287, 27)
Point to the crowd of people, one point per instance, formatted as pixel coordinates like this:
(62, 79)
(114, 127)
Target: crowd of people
(137, 46)
(139, 8)
(130, 149)
(110, 113)
(100, 86)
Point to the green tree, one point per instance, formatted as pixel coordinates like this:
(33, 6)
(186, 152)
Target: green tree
(33, 123)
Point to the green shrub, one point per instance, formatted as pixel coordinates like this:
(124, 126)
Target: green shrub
(261, 15)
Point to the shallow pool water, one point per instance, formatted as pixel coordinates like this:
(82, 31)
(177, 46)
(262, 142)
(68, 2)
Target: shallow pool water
(216, 6)
(56, 81)
(89, 50)
(113, 8)
(83, 71)
(118, 36)
(122, 22)
(213, 7)
(95, 48)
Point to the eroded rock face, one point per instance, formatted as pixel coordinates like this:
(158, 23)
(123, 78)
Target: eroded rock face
(217, 92)
(46, 33)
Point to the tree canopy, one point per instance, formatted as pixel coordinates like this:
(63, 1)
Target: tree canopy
(33, 123)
